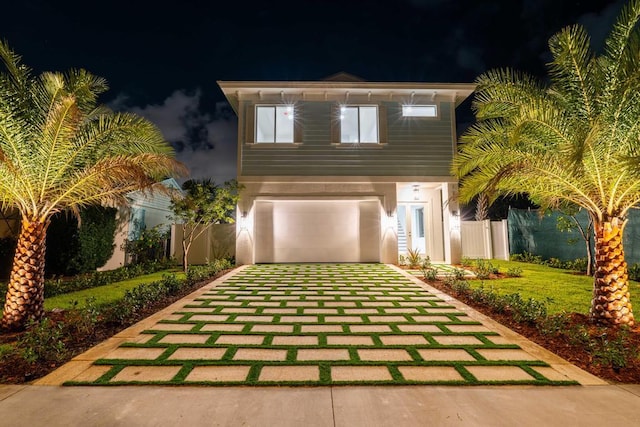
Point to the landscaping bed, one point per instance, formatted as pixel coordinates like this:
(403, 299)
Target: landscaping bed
(608, 353)
(63, 334)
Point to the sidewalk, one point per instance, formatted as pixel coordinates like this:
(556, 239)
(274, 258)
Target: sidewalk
(404, 406)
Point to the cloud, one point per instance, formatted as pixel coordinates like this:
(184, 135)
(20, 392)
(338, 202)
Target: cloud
(204, 141)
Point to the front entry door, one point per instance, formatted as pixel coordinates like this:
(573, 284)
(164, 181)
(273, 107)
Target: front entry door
(413, 223)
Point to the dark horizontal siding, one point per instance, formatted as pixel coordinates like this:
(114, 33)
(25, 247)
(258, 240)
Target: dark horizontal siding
(416, 146)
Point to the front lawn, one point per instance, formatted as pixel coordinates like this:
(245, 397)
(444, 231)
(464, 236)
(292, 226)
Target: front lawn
(569, 291)
(107, 293)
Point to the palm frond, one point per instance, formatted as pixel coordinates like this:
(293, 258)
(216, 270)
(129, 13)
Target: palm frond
(571, 71)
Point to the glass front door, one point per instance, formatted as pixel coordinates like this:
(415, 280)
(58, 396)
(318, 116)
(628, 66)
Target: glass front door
(412, 228)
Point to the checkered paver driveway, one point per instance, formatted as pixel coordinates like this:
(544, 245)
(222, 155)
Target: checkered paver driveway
(317, 324)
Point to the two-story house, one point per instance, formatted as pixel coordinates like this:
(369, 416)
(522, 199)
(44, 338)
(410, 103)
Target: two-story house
(343, 170)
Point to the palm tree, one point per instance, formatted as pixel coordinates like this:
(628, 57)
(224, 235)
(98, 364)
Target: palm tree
(574, 139)
(61, 151)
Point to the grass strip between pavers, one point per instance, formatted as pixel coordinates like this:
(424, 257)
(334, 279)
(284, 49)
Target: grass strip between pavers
(354, 296)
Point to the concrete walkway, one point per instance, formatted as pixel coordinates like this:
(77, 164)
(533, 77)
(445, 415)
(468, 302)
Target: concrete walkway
(346, 406)
(322, 324)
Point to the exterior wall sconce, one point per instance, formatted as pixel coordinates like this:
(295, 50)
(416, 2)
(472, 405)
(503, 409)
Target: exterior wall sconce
(416, 192)
(454, 221)
(391, 220)
(243, 220)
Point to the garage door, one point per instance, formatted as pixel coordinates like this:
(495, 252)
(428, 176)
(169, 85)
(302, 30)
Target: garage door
(317, 231)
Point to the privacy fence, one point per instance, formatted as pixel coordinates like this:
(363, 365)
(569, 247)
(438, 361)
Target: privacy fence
(529, 231)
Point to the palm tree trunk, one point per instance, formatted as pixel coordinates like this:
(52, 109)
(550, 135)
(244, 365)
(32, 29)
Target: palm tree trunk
(25, 293)
(610, 304)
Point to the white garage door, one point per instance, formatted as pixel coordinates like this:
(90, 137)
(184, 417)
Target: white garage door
(317, 231)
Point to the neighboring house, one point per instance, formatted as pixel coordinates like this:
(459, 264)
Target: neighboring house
(344, 170)
(146, 209)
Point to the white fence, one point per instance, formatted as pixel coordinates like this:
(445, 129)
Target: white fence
(485, 239)
(217, 242)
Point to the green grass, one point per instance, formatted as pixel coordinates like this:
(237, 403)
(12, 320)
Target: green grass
(570, 291)
(107, 293)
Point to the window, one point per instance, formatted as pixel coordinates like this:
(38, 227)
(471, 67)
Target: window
(274, 123)
(420, 222)
(359, 124)
(419, 111)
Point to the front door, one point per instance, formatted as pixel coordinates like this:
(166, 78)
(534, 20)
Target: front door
(412, 228)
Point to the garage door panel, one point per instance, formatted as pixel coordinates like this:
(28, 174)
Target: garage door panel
(318, 231)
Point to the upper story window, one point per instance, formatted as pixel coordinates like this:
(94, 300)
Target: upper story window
(419, 111)
(274, 123)
(359, 124)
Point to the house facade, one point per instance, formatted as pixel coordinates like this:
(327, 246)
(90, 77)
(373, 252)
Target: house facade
(144, 210)
(343, 170)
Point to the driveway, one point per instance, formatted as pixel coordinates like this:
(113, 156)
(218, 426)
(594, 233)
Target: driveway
(318, 324)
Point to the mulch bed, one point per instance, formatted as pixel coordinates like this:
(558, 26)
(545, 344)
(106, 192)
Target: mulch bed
(16, 370)
(559, 344)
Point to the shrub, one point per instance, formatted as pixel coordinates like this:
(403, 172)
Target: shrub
(514, 272)
(429, 272)
(459, 273)
(459, 286)
(95, 238)
(526, 257)
(634, 272)
(196, 273)
(483, 269)
(613, 349)
(74, 248)
(413, 258)
(554, 263)
(43, 341)
(466, 261)
(149, 246)
(529, 310)
(579, 264)
(552, 325)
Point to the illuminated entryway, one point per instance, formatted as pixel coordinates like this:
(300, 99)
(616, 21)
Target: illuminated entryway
(419, 217)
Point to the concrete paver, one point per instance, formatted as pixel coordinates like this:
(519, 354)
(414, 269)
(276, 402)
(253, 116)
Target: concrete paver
(218, 373)
(430, 373)
(444, 354)
(147, 373)
(289, 373)
(186, 353)
(360, 373)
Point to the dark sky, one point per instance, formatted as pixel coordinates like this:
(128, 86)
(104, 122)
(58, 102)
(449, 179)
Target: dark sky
(162, 59)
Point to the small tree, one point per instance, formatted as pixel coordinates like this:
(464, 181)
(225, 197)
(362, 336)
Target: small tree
(568, 221)
(204, 204)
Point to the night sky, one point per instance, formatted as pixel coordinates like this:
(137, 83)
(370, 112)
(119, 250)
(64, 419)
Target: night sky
(163, 59)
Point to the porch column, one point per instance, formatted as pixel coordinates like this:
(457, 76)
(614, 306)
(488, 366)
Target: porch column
(389, 222)
(451, 220)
